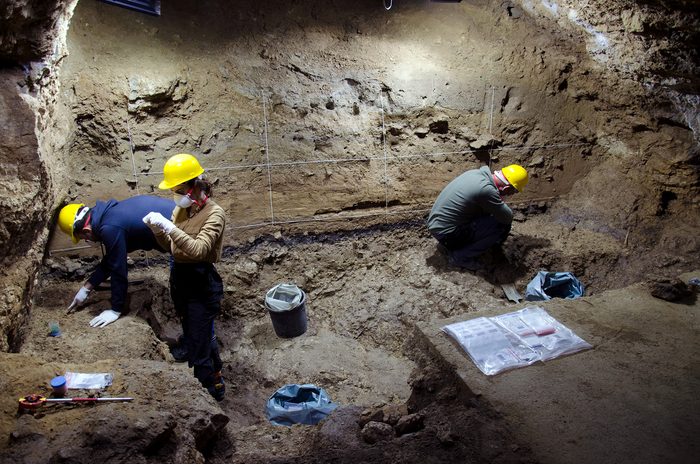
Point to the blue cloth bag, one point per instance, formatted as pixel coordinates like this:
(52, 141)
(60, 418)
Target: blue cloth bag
(298, 404)
(548, 285)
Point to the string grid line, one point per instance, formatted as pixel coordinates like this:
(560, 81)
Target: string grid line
(385, 158)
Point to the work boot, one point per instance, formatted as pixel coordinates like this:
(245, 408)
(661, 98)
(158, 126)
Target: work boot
(218, 391)
(470, 264)
(180, 353)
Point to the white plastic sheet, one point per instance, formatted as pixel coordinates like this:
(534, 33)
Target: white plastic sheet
(517, 339)
(283, 297)
(490, 347)
(77, 380)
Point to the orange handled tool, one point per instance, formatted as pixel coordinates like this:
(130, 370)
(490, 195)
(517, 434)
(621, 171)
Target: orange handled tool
(36, 401)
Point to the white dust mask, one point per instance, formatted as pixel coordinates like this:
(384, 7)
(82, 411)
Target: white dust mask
(183, 201)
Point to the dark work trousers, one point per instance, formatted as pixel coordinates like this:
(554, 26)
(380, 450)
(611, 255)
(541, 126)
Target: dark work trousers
(473, 239)
(197, 290)
(184, 342)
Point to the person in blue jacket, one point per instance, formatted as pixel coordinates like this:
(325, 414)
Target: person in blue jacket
(120, 228)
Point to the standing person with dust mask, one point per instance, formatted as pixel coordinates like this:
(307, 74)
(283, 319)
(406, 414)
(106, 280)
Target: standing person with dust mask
(194, 234)
(118, 226)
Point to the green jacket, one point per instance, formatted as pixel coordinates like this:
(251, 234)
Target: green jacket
(471, 195)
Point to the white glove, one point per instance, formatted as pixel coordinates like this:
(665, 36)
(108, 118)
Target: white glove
(80, 297)
(154, 228)
(147, 220)
(107, 317)
(158, 220)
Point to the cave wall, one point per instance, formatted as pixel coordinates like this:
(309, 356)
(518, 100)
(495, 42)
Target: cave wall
(648, 179)
(306, 112)
(414, 94)
(32, 44)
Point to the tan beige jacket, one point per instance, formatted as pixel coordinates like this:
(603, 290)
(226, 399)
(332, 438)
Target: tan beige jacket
(195, 239)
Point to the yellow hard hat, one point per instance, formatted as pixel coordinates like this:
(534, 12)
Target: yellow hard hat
(179, 169)
(66, 218)
(516, 176)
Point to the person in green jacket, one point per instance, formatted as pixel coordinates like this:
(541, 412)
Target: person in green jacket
(469, 216)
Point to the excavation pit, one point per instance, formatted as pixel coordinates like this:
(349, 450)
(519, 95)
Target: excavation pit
(328, 131)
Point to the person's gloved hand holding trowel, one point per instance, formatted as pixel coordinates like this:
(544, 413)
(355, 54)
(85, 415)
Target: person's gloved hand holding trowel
(80, 297)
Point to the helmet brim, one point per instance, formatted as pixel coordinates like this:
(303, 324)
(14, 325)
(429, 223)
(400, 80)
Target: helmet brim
(165, 185)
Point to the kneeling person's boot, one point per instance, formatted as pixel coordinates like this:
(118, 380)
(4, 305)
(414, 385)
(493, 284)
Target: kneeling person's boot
(467, 263)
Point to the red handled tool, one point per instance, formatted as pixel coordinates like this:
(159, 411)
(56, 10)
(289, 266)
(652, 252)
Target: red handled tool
(37, 401)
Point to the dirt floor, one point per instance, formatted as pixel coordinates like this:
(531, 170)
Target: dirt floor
(629, 399)
(368, 292)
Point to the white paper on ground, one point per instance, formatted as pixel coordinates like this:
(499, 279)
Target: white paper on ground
(491, 349)
(512, 340)
(77, 380)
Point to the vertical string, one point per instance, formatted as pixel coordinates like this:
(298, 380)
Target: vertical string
(133, 163)
(493, 96)
(386, 179)
(131, 149)
(267, 152)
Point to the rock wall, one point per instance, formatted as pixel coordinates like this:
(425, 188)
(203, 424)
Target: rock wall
(351, 110)
(32, 45)
(652, 160)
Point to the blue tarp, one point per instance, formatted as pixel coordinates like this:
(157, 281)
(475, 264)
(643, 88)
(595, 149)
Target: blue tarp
(298, 404)
(548, 285)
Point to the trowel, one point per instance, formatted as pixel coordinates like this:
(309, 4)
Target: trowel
(511, 294)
